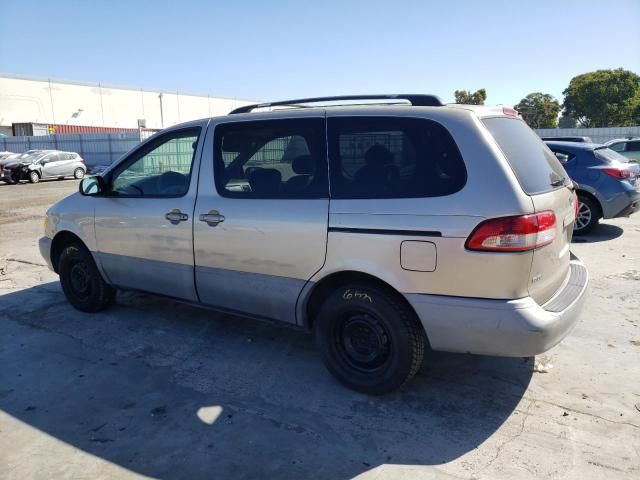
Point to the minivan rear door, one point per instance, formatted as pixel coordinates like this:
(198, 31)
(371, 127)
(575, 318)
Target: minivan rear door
(543, 178)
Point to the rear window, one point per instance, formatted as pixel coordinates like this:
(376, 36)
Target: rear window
(392, 157)
(609, 155)
(535, 166)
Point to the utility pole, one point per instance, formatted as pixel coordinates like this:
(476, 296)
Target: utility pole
(161, 112)
(101, 106)
(53, 112)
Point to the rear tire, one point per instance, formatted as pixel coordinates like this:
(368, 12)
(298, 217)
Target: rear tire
(81, 281)
(588, 216)
(369, 339)
(78, 173)
(34, 177)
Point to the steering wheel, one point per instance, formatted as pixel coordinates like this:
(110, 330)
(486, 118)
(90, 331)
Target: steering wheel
(172, 183)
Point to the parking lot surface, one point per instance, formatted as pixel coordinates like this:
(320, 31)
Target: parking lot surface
(154, 388)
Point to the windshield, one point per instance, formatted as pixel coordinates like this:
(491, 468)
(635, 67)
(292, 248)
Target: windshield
(608, 155)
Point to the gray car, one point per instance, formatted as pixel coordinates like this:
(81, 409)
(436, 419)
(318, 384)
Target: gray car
(44, 164)
(383, 229)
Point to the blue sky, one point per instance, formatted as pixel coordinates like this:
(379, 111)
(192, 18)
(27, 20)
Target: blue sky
(271, 50)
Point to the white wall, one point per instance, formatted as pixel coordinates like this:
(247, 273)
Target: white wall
(41, 101)
(598, 135)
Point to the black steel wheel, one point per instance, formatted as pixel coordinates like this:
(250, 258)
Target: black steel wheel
(81, 281)
(369, 338)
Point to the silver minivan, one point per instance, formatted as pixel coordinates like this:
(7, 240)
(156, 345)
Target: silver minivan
(386, 229)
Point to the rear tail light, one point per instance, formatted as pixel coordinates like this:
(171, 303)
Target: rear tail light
(620, 173)
(514, 234)
(576, 205)
(81, 160)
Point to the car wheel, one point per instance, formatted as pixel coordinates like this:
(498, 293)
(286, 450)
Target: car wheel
(34, 177)
(369, 339)
(588, 216)
(78, 173)
(81, 281)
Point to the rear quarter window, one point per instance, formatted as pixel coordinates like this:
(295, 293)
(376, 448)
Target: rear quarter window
(533, 163)
(392, 157)
(608, 155)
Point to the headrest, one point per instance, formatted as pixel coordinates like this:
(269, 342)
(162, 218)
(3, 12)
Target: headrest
(303, 165)
(265, 180)
(378, 156)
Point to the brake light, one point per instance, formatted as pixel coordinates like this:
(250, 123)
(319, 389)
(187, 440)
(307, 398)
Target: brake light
(576, 205)
(514, 234)
(510, 112)
(620, 173)
(81, 160)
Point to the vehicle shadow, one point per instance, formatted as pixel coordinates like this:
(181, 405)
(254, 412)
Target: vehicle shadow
(171, 391)
(602, 233)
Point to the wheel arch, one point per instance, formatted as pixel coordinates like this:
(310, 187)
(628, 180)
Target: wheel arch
(59, 242)
(592, 197)
(314, 293)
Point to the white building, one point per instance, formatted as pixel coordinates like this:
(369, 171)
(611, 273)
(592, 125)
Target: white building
(26, 100)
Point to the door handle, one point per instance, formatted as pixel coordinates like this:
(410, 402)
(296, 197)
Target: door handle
(212, 218)
(175, 216)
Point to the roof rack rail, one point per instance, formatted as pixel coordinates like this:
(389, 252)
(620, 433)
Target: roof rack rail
(416, 100)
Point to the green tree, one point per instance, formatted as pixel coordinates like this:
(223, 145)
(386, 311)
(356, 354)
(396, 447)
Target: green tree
(567, 121)
(465, 96)
(539, 110)
(604, 98)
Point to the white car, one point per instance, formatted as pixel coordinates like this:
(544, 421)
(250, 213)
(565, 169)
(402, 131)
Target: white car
(629, 147)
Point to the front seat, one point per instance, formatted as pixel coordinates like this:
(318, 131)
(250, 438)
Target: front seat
(265, 181)
(303, 167)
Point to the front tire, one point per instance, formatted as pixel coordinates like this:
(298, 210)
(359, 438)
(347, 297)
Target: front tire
(34, 177)
(588, 216)
(81, 281)
(78, 173)
(369, 338)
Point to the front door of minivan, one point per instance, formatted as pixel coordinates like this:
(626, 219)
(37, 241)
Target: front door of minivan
(144, 223)
(260, 228)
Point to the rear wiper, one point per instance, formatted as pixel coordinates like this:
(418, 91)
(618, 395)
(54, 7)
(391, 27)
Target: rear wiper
(558, 183)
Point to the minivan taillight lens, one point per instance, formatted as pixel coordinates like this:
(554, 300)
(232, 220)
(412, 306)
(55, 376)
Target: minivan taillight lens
(514, 234)
(620, 173)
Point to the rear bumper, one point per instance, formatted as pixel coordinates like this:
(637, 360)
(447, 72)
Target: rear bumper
(511, 328)
(45, 250)
(633, 204)
(621, 205)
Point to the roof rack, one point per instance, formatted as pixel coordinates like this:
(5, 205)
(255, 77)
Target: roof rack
(416, 100)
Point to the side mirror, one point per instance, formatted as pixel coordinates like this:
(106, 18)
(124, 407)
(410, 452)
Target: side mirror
(91, 186)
